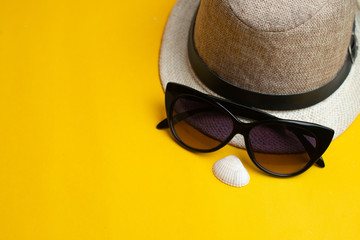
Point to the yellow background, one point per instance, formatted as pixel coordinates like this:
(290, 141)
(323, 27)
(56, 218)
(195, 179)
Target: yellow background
(80, 157)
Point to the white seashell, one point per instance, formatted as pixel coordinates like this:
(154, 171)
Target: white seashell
(231, 171)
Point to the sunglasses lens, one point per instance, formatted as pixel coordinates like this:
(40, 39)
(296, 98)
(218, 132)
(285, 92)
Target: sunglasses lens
(199, 124)
(282, 149)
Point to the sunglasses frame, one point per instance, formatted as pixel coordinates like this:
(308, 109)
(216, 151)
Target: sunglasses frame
(322, 134)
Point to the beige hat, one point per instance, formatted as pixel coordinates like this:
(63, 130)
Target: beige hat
(292, 58)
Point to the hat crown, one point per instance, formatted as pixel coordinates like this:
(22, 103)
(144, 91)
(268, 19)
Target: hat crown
(274, 47)
(277, 15)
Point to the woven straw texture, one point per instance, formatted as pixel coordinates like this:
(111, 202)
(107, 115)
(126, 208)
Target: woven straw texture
(337, 111)
(283, 55)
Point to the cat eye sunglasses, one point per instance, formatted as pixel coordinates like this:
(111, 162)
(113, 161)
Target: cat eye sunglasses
(205, 123)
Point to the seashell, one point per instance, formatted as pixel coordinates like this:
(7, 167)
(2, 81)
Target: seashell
(231, 171)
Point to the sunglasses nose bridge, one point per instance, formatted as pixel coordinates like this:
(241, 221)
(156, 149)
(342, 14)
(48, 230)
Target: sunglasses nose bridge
(240, 127)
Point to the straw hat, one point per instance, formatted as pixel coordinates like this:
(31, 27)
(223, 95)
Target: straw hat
(292, 58)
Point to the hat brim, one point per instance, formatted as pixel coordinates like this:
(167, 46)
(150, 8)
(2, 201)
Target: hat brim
(337, 111)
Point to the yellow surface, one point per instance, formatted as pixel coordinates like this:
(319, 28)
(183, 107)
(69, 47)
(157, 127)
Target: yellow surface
(80, 157)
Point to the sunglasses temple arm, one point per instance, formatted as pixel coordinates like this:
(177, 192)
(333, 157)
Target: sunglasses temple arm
(179, 117)
(320, 162)
(163, 124)
(237, 109)
(244, 111)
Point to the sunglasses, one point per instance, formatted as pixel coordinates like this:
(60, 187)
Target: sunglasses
(204, 123)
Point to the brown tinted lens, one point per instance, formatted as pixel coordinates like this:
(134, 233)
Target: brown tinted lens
(282, 149)
(200, 124)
